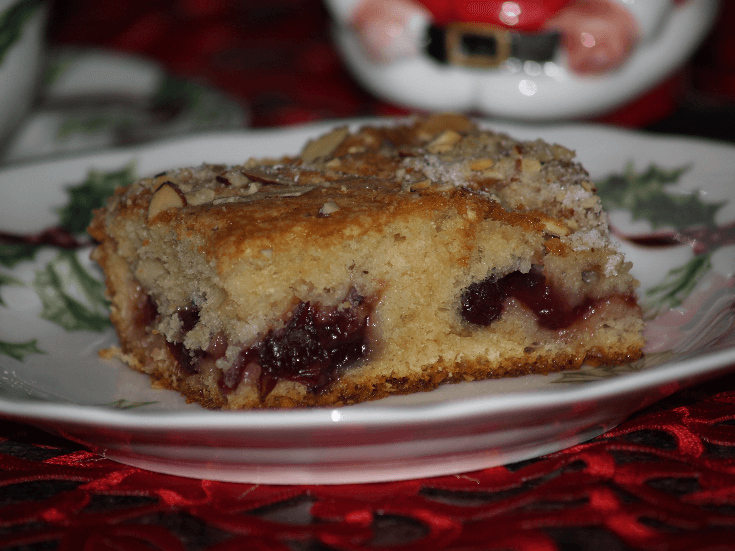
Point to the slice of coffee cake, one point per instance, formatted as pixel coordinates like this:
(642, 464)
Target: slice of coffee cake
(383, 261)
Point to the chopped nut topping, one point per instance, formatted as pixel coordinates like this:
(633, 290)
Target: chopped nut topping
(444, 142)
(167, 196)
(200, 196)
(443, 121)
(293, 191)
(423, 184)
(554, 226)
(481, 164)
(160, 179)
(232, 199)
(445, 187)
(265, 176)
(325, 145)
(328, 208)
(530, 165)
(237, 178)
(492, 174)
(589, 186)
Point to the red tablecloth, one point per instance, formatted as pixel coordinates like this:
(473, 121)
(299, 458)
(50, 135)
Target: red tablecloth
(664, 479)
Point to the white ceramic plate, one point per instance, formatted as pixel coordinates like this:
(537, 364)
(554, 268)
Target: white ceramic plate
(92, 100)
(58, 382)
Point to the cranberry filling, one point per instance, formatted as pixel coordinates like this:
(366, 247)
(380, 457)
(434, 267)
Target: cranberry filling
(311, 349)
(186, 358)
(146, 311)
(482, 302)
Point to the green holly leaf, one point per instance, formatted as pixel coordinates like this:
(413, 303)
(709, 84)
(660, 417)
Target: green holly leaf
(15, 253)
(599, 373)
(175, 95)
(90, 195)
(91, 124)
(19, 350)
(12, 22)
(645, 195)
(82, 125)
(8, 280)
(54, 286)
(680, 282)
(55, 68)
(602, 372)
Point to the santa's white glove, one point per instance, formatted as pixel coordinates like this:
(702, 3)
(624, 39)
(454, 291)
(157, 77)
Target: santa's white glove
(390, 29)
(598, 35)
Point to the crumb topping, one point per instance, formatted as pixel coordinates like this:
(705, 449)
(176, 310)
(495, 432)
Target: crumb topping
(433, 155)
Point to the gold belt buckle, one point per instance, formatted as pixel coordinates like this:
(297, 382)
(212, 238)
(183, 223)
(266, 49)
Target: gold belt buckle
(456, 32)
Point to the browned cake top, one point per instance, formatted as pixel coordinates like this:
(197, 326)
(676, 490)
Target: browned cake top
(344, 184)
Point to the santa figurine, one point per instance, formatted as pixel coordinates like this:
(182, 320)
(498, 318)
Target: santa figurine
(522, 59)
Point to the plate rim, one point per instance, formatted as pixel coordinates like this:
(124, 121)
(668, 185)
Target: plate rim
(376, 415)
(42, 411)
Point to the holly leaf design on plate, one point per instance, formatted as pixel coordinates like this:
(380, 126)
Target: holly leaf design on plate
(645, 195)
(6, 279)
(680, 282)
(176, 96)
(75, 216)
(17, 350)
(15, 253)
(12, 23)
(90, 124)
(55, 286)
(20, 350)
(602, 372)
(92, 194)
(122, 403)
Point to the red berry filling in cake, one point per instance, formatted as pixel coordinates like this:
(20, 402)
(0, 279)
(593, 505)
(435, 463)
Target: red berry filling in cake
(312, 348)
(483, 301)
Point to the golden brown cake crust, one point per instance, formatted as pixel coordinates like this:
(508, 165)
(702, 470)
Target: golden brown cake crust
(387, 225)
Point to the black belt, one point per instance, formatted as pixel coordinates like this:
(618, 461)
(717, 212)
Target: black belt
(477, 45)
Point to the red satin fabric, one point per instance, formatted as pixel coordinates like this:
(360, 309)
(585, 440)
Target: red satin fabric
(665, 480)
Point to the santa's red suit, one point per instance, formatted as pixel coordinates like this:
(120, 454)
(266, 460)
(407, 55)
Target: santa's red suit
(526, 15)
(521, 15)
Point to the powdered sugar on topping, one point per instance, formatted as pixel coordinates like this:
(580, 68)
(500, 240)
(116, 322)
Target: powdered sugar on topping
(588, 239)
(439, 171)
(613, 262)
